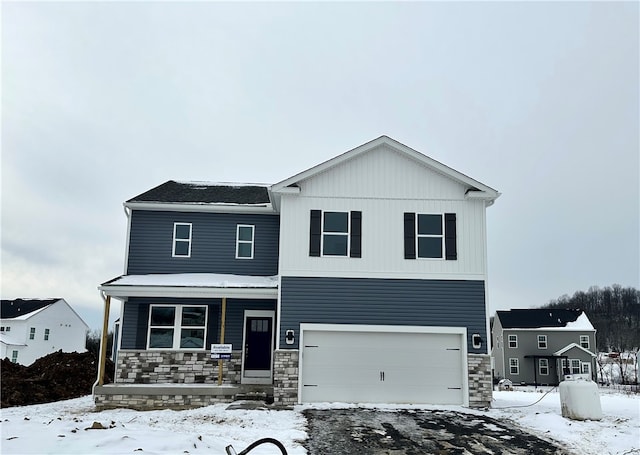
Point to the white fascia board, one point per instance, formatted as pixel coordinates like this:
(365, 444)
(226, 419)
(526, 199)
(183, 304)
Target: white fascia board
(213, 208)
(488, 192)
(570, 347)
(193, 292)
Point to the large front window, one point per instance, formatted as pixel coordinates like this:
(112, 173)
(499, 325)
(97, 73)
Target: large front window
(177, 327)
(335, 234)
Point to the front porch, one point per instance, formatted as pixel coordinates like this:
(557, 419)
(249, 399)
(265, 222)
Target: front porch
(167, 325)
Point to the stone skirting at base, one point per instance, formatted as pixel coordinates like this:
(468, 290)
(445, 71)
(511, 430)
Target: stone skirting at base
(148, 397)
(285, 377)
(480, 381)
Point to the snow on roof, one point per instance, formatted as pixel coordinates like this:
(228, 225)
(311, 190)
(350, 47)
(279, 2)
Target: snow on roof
(213, 280)
(4, 339)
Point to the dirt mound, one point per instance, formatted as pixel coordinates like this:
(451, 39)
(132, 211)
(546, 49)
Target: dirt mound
(57, 376)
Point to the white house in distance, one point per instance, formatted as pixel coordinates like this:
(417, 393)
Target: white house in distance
(33, 328)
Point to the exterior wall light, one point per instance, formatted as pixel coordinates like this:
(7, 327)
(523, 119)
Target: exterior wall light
(290, 337)
(476, 341)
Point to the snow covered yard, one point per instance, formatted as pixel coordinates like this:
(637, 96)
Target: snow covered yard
(61, 428)
(617, 433)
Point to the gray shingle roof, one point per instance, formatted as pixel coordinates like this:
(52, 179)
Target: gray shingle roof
(206, 193)
(535, 318)
(10, 309)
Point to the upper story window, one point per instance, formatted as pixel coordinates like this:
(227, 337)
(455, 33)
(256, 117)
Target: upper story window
(177, 327)
(335, 234)
(513, 341)
(46, 334)
(32, 333)
(182, 240)
(542, 342)
(430, 236)
(244, 241)
(584, 341)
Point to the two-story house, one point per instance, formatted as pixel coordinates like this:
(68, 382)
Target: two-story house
(33, 328)
(362, 279)
(542, 346)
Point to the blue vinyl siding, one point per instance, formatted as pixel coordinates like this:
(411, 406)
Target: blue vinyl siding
(213, 247)
(135, 318)
(441, 303)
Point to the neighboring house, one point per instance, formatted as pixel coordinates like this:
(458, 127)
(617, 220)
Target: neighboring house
(362, 279)
(33, 328)
(541, 346)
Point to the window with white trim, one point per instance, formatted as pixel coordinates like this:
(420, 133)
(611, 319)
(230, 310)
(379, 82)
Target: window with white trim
(244, 241)
(564, 366)
(177, 327)
(542, 342)
(576, 366)
(543, 367)
(584, 341)
(513, 341)
(14, 356)
(8, 329)
(46, 334)
(32, 333)
(335, 233)
(514, 366)
(429, 236)
(586, 368)
(181, 240)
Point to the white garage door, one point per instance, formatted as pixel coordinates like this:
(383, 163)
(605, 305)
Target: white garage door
(382, 366)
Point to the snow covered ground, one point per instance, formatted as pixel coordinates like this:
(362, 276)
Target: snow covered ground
(62, 428)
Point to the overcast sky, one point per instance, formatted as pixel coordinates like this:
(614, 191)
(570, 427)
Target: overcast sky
(103, 101)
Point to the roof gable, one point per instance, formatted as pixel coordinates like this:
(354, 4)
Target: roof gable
(543, 318)
(10, 309)
(573, 346)
(474, 188)
(205, 193)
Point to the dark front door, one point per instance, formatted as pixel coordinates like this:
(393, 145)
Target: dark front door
(258, 346)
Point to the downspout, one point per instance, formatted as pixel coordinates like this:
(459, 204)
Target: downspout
(103, 342)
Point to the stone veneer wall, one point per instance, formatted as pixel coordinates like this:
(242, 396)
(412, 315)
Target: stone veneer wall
(480, 380)
(161, 367)
(161, 399)
(285, 377)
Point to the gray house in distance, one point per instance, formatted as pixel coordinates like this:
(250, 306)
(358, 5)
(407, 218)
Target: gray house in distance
(362, 280)
(540, 346)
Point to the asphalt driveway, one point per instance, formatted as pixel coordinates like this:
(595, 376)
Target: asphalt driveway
(409, 432)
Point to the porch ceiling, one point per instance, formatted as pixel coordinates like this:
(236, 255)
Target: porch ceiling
(197, 285)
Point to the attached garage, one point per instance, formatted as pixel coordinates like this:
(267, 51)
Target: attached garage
(383, 364)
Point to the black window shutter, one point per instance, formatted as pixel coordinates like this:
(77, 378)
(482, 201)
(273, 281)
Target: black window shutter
(356, 235)
(315, 232)
(451, 252)
(409, 235)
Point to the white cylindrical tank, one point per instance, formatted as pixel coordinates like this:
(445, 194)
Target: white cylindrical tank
(580, 400)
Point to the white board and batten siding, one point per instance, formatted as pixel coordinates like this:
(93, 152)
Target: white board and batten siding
(383, 364)
(383, 184)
